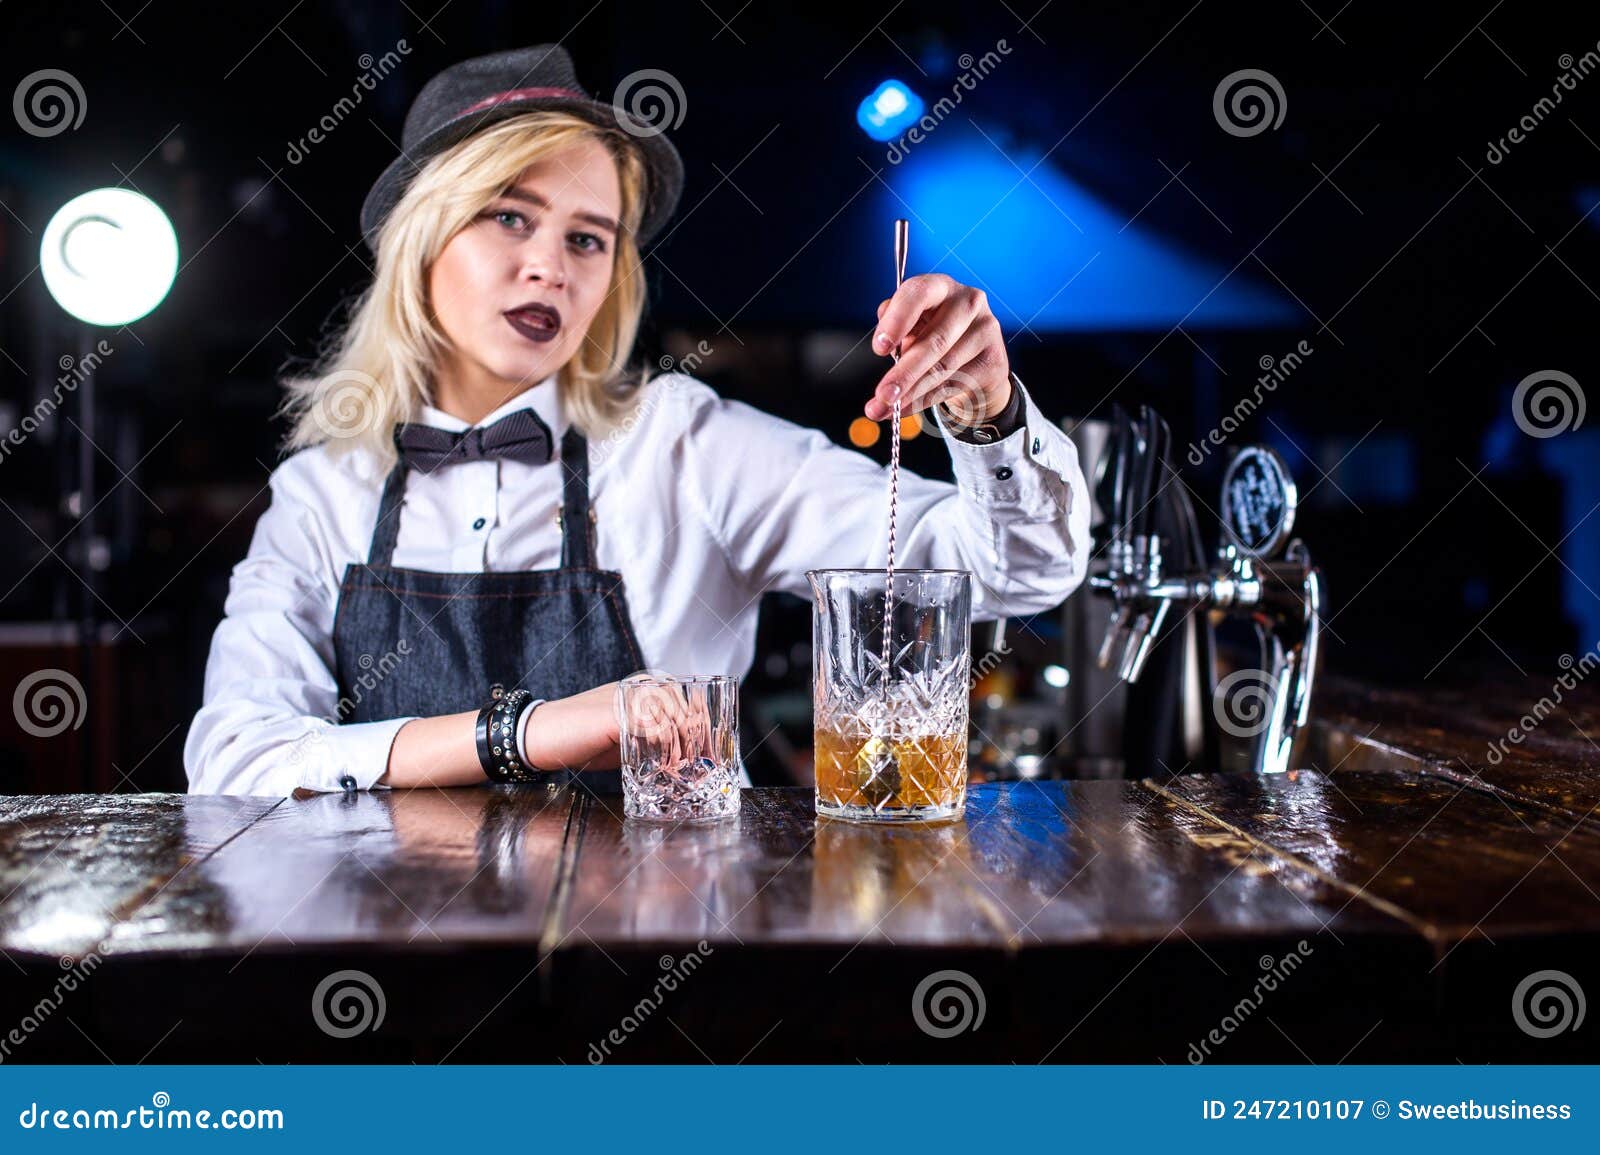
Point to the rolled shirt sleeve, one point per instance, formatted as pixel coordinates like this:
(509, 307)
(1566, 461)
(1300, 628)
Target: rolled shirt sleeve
(782, 499)
(268, 722)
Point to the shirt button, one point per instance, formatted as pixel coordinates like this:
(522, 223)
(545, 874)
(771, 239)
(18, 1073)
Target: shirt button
(478, 524)
(347, 782)
(1003, 473)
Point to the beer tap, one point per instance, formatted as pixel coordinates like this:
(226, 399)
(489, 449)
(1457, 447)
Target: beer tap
(1255, 576)
(1114, 466)
(1139, 478)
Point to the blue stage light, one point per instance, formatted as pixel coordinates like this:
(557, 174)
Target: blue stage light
(1055, 256)
(889, 110)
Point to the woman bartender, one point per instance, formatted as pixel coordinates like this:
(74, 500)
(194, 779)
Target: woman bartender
(483, 496)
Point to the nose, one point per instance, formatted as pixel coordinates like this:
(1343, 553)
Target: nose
(543, 260)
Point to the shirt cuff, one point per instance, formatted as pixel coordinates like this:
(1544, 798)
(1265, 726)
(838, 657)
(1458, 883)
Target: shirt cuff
(351, 757)
(1029, 468)
(1002, 424)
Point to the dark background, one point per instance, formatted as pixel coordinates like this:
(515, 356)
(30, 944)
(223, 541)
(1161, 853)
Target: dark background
(1149, 257)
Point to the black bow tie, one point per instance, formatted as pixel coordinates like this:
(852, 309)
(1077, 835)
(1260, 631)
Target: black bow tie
(521, 436)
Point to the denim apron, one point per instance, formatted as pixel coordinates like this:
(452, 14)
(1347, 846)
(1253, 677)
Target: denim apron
(554, 632)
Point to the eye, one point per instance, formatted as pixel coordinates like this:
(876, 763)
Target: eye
(588, 242)
(510, 218)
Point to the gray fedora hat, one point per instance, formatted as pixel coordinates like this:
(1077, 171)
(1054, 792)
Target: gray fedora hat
(470, 96)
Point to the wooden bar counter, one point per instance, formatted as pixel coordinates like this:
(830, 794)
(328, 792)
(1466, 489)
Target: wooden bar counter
(1399, 888)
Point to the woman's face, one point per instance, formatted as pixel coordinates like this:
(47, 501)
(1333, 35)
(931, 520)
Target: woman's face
(514, 291)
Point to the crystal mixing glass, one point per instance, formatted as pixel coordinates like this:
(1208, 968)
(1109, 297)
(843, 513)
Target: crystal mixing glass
(891, 742)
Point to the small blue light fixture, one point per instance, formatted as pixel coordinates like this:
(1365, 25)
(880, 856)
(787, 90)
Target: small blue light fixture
(1587, 198)
(889, 110)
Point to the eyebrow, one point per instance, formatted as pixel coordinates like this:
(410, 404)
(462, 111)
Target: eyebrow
(529, 197)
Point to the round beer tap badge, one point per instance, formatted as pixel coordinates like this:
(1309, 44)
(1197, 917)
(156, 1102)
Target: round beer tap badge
(1258, 501)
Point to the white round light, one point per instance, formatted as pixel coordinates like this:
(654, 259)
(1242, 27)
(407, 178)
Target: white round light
(109, 256)
(891, 102)
(1056, 676)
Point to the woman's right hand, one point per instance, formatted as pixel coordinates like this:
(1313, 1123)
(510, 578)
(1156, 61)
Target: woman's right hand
(583, 732)
(579, 732)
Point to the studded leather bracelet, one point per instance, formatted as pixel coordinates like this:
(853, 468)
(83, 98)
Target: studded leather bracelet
(498, 752)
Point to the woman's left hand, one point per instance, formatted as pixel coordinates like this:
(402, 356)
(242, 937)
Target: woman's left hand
(951, 351)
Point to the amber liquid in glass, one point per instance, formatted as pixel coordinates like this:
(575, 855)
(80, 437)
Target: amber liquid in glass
(913, 771)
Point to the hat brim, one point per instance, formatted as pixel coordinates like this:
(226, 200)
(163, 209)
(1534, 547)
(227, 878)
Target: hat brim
(662, 163)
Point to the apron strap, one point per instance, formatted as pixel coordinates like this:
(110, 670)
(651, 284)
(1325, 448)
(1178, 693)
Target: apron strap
(577, 531)
(381, 551)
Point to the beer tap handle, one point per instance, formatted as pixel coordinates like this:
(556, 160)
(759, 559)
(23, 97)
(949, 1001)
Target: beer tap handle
(1144, 471)
(1141, 638)
(1121, 466)
(1116, 629)
(1162, 438)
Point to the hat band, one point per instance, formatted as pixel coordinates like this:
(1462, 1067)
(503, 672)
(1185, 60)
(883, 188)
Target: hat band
(519, 94)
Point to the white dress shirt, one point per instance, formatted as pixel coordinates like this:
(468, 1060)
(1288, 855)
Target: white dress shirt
(702, 504)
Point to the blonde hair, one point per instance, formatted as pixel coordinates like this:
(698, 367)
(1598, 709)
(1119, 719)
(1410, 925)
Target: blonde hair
(379, 367)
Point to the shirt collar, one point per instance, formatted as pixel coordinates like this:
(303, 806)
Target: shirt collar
(543, 398)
